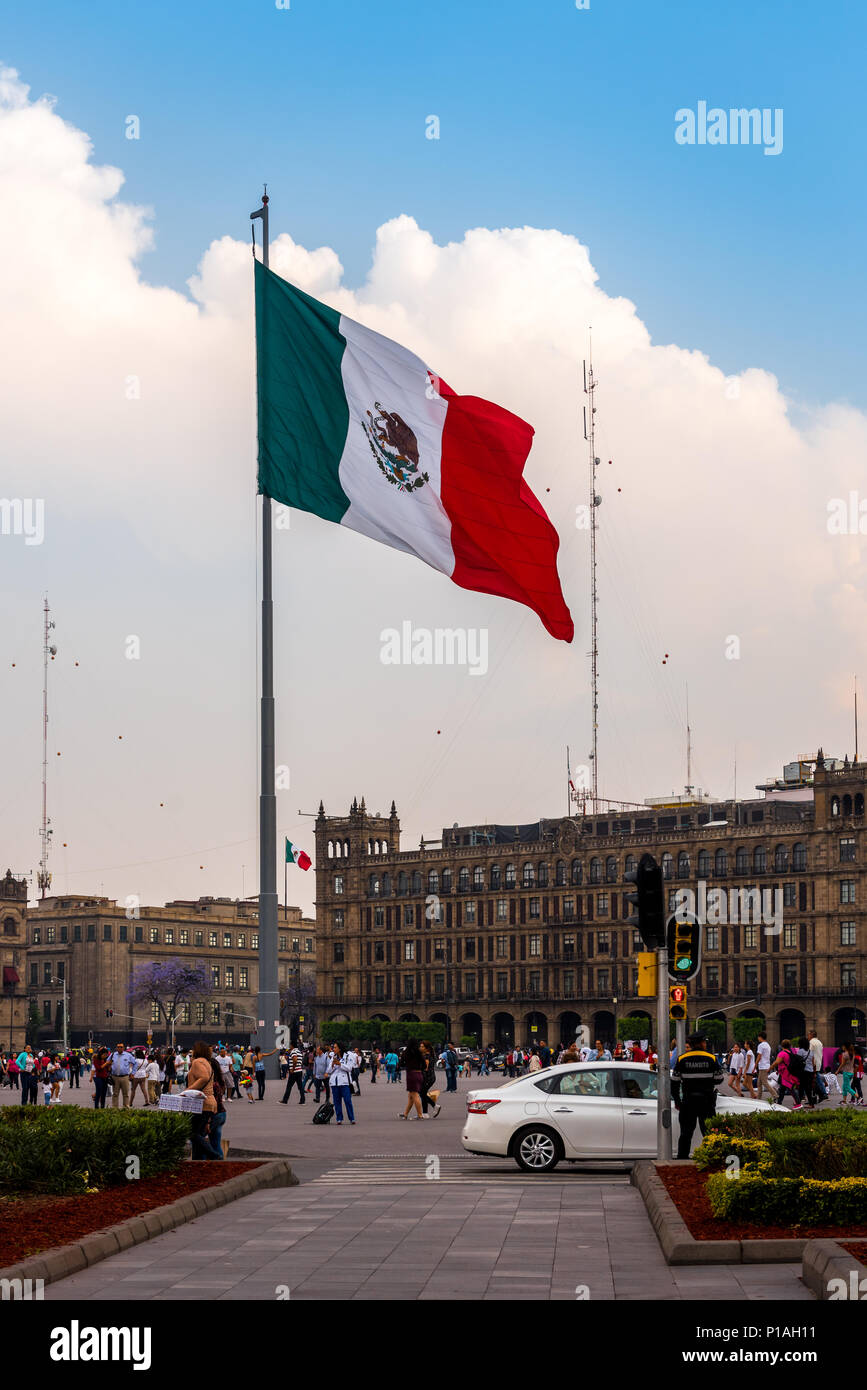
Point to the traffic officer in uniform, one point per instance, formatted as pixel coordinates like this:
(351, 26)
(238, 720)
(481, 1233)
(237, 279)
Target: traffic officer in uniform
(695, 1077)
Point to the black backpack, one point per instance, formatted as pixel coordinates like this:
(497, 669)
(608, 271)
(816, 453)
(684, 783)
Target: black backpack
(323, 1114)
(796, 1064)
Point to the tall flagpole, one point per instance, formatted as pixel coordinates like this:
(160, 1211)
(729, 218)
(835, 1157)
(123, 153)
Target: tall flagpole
(269, 993)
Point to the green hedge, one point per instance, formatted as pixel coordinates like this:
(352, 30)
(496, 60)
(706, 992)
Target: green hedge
(66, 1150)
(825, 1152)
(714, 1029)
(788, 1201)
(747, 1029)
(758, 1123)
(635, 1028)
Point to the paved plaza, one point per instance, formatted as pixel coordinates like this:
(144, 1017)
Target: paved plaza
(396, 1209)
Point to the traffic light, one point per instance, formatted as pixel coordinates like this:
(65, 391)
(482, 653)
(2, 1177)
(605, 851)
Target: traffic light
(677, 1002)
(683, 939)
(647, 973)
(649, 900)
(109, 1013)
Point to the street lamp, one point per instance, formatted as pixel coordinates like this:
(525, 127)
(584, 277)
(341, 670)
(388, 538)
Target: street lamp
(62, 981)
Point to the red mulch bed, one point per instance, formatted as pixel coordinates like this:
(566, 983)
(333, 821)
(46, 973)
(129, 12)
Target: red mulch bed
(858, 1248)
(29, 1225)
(686, 1187)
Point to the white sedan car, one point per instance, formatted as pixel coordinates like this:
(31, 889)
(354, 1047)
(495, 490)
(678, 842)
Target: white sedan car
(584, 1110)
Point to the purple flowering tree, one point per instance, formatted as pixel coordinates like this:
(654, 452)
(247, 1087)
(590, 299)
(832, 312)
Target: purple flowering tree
(169, 984)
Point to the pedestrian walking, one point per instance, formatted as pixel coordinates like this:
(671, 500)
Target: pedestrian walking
(735, 1068)
(412, 1062)
(391, 1060)
(259, 1069)
(26, 1063)
(846, 1071)
(450, 1061)
(748, 1074)
(201, 1078)
(139, 1078)
(122, 1065)
(340, 1068)
(696, 1076)
(817, 1053)
(790, 1069)
(101, 1075)
(320, 1075)
(294, 1076)
(429, 1093)
(763, 1065)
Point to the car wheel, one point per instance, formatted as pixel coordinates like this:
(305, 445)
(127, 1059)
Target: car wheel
(536, 1150)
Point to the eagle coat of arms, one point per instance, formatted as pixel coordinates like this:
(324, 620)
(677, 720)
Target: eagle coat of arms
(395, 448)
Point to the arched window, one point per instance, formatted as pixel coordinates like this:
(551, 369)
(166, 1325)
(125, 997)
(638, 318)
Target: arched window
(479, 877)
(416, 882)
(386, 885)
(560, 874)
(781, 860)
(402, 885)
(611, 869)
(799, 857)
(463, 879)
(667, 865)
(835, 805)
(721, 863)
(703, 863)
(433, 881)
(345, 849)
(447, 880)
(528, 875)
(631, 864)
(847, 805)
(742, 860)
(511, 876)
(543, 875)
(374, 885)
(760, 860)
(496, 875)
(370, 847)
(859, 803)
(683, 864)
(330, 849)
(577, 872)
(595, 870)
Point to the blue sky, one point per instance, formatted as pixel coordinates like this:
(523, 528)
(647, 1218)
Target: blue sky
(550, 116)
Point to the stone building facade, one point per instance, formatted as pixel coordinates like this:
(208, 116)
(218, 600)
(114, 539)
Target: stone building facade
(517, 934)
(14, 1004)
(94, 943)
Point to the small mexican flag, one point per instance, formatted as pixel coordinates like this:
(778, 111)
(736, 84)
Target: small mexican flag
(294, 855)
(358, 430)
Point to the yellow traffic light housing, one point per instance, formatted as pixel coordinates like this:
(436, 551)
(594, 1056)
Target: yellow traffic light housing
(647, 975)
(677, 1003)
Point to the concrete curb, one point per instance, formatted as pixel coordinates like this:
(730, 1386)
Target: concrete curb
(52, 1265)
(825, 1260)
(681, 1248)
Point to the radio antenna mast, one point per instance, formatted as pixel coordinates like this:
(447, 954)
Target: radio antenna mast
(43, 878)
(590, 384)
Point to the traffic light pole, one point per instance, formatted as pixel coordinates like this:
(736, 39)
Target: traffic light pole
(663, 1063)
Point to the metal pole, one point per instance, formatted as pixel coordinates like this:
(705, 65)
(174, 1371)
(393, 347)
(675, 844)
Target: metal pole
(269, 995)
(65, 1016)
(663, 1065)
(680, 1035)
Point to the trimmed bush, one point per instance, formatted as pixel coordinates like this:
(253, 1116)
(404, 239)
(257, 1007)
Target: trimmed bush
(788, 1201)
(747, 1029)
(65, 1150)
(714, 1029)
(716, 1148)
(635, 1028)
(759, 1123)
(823, 1152)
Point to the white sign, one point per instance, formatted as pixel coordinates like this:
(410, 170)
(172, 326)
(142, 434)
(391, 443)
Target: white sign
(189, 1104)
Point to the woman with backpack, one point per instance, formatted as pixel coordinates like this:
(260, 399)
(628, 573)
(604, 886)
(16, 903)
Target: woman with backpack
(845, 1071)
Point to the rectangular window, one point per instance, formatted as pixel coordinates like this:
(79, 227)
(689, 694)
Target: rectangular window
(569, 983)
(847, 933)
(751, 978)
(186, 1014)
(154, 935)
(281, 943)
(847, 976)
(790, 894)
(46, 972)
(198, 938)
(338, 883)
(847, 890)
(338, 953)
(470, 910)
(50, 935)
(713, 977)
(227, 939)
(215, 1013)
(790, 977)
(470, 986)
(408, 986)
(170, 936)
(243, 977)
(138, 934)
(91, 931)
(409, 950)
(408, 916)
(155, 1011)
(34, 973)
(602, 904)
(502, 945)
(215, 977)
(602, 980)
(439, 948)
(254, 941)
(200, 1013)
(847, 850)
(502, 982)
(568, 909)
(46, 1010)
(379, 986)
(106, 931)
(121, 931)
(569, 946)
(379, 916)
(535, 907)
(339, 919)
(308, 944)
(76, 931)
(535, 978)
(790, 934)
(379, 951)
(711, 938)
(212, 938)
(64, 933)
(502, 909)
(751, 934)
(242, 941)
(535, 945)
(184, 936)
(603, 943)
(230, 977)
(338, 986)
(439, 985)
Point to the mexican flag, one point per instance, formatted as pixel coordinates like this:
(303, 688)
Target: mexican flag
(358, 430)
(294, 855)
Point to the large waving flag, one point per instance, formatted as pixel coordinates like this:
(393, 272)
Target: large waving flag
(358, 430)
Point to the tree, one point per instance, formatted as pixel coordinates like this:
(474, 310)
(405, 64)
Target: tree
(33, 1024)
(746, 1029)
(169, 984)
(636, 1027)
(297, 999)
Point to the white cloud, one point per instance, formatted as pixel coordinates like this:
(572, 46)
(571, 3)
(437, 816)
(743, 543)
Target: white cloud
(713, 523)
